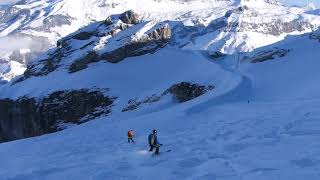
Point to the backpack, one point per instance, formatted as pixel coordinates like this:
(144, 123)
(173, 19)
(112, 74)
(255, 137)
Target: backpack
(151, 139)
(130, 133)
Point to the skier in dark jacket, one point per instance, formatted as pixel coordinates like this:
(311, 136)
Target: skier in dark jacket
(153, 141)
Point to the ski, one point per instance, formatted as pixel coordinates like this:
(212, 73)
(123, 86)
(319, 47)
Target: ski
(154, 154)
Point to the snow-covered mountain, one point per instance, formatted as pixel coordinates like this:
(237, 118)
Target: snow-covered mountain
(259, 121)
(231, 87)
(224, 26)
(193, 30)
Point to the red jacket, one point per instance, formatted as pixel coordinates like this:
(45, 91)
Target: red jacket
(130, 134)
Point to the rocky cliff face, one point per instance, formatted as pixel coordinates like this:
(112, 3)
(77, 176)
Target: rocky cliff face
(28, 117)
(113, 32)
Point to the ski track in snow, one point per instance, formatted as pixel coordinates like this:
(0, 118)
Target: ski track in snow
(255, 144)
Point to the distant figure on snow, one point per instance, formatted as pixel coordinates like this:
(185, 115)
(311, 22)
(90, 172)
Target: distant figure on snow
(153, 141)
(130, 136)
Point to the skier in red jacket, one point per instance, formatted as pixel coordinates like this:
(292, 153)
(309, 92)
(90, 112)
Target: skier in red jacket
(130, 136)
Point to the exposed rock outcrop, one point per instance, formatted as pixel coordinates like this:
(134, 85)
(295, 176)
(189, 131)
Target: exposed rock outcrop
(267, 55)
(276, 28)
(217, 55)
(53, 21)
(183, 92)
(129, 17)
(83, 62)
(315, 36)
(149, 43)
(28, 117)
(83, 35)
(186, 91)
(135, 103)
(92, 36)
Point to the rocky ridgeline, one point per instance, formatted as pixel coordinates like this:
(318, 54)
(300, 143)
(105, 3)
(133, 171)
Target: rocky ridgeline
(274, 27)
(28, 117)
(91, 36)
(242, 19)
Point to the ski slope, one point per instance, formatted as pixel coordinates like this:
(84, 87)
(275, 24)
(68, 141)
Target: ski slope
(232, 141)
(265, 126)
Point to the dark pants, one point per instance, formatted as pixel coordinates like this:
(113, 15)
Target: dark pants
(130, 139)
(155, 146)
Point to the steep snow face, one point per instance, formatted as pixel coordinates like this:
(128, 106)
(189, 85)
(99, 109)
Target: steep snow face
(224, 26)
(243, 131)
(11, 69)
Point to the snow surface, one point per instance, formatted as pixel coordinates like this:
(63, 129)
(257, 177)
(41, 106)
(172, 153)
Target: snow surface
(261, 123)
(10, 70)
(195, 13)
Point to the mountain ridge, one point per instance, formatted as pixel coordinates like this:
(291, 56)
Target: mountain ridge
(228, 29)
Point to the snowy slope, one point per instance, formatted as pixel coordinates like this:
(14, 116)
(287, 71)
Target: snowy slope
(257, 119)
(138, 60)
(217, 136)
(224, 26)
(11, 69)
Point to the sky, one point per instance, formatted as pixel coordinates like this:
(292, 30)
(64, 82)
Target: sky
(291, 2)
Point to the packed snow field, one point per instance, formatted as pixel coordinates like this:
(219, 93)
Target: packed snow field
(262, 125)
(277, 140)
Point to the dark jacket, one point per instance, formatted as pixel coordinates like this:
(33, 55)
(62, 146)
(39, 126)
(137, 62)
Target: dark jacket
(155, 140)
